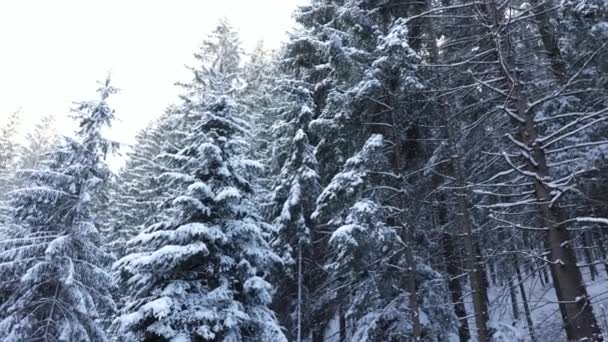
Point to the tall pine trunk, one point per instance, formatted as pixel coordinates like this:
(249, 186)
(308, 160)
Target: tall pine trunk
(513, 295)
(575, 305)
(524, 299)
(299, 304)
(473, 263)
(455, 287)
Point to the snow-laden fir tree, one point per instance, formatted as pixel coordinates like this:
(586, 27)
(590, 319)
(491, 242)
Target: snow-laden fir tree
(8, 152)
(369, 253)
(53, 266)
(324, 56)
(199, 273)
(259, 75)
(358, 57)
(39, 143)
(257, 95)
(8, 145)
(293, 195)
(138, 192)
(219, 68)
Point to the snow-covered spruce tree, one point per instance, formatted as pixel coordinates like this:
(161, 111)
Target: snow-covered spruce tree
(53, 265)
(357, 57)
(293, 195)
(219, 69)
(8, 157)
(8, 145)
(40, 142)
(330, 54)
(137, 193)
(459, 136)
(370, 248)
(199, 275)
(259, 75)
(8, 153)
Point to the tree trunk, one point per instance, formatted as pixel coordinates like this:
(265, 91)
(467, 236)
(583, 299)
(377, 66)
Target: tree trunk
(576, 309)
(299, 305)
(474, 266)
(549, 39)
(342, 323)
(317, 335)
(524, 300)
(600, 244)
(546, 275)
(455, 287)
(492, 268)
(589, 255)
(473, 263)
(408, 278)
(410, 285)
(513, 295)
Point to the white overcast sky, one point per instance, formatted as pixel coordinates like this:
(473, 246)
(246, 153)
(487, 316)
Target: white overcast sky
(53, 51)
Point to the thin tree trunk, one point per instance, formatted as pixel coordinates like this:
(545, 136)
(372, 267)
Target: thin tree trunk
(475, 269)
(492, 268)
(317, 335)
(540, 270)
(410, 284)
(513, 295)
(524, 300)
(342, 323)
(588, 253)
(546, 275)
(299, 308)
(408, 278)
(474, 266)
(473, 263)
(455, 287)
(600, 244)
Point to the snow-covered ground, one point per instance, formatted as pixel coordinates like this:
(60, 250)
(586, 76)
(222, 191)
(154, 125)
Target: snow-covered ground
(544, 310)
(543, 306)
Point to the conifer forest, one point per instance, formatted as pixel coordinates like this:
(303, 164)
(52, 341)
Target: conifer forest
(398, 170)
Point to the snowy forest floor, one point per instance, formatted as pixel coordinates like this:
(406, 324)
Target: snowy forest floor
(543, 305)
(544, 309)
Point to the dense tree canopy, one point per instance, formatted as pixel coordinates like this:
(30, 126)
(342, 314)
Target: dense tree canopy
(396, 171)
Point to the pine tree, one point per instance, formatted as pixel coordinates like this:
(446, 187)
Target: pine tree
(357, 57)
(260, 77)
(550, 110)
(199, 273)
(53, 265)
(369, 244)
(138, 192)
(292, 199)
(219, 71)
(8, 153)
(40, 142)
